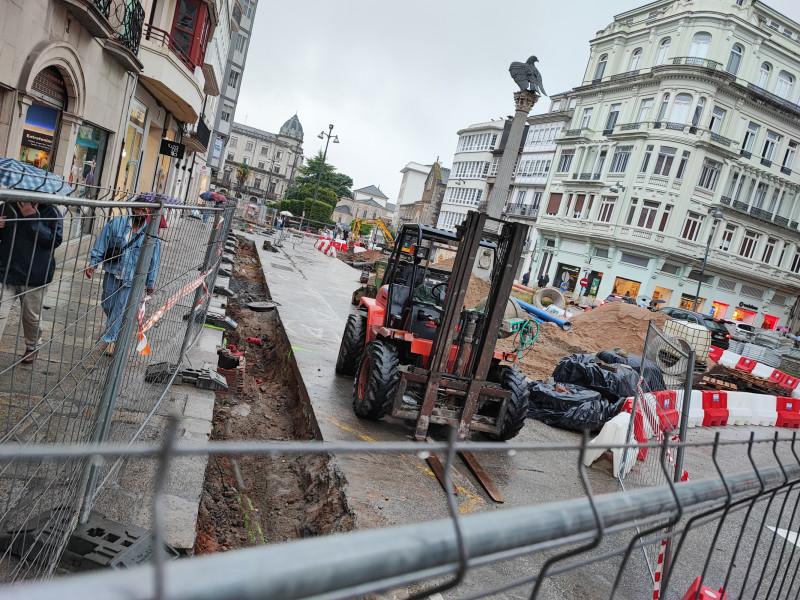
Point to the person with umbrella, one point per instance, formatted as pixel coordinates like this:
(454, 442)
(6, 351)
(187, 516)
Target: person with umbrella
(117, 248)
(29, 236)
(217, 199)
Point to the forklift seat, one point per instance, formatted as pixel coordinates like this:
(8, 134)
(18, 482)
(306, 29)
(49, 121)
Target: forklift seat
(400, 294)
(424, 321)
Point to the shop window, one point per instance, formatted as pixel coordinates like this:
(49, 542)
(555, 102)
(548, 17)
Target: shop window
(190, 32)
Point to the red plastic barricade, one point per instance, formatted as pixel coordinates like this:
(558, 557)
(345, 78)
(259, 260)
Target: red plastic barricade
(746, 364)
(715, 407)
(788, 412)
(668, 411)
(789, 381)
(777, 376)
(702, 592)
(715, 353)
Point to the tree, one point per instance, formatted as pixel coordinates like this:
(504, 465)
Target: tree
(301, 192)
(315, 211)
(340, 183)
(243, 171)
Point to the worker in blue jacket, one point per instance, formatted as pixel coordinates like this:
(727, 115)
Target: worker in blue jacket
(117, 249)
(29, 235)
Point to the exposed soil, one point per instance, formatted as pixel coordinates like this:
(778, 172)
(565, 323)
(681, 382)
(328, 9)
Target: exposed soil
(613, 325)
(255, 500)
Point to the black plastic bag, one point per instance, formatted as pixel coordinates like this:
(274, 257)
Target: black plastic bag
(652, 377)
(588, 371)
(571, 407)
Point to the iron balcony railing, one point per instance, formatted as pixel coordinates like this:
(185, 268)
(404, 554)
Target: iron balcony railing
(127, 20)
(694, 61)
(162, 37)
(774, 98)
(725, 200)
(720, 139)
(524, 210)
(104, 6)
(629, 126)
(573, 132)
(624, 75)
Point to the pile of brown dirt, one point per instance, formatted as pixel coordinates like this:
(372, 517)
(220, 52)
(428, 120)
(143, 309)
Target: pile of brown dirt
(613, 325)
(369, 256)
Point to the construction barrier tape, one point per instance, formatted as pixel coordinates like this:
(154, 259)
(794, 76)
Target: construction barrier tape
(142, 346)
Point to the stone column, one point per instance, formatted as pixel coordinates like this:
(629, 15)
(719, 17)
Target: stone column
(67, 135)
(524, 102)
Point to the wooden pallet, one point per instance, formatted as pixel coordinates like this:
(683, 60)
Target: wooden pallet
(718, 384)
(744, 381)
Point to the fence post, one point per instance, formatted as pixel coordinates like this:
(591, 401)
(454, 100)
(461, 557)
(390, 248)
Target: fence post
(215, 240)
(679, 451)
(113, 381)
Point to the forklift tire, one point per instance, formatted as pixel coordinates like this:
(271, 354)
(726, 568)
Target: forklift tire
(376, 382)
(513, 381)
(352, 345)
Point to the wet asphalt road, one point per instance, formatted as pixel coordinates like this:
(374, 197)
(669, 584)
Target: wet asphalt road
(314, 294)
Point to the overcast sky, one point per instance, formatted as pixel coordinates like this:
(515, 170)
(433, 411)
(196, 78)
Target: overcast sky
(399, 78)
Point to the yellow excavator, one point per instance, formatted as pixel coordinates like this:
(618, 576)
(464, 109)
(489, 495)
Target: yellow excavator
(387, 236)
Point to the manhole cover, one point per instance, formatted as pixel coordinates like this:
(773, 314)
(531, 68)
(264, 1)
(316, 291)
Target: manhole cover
(261, 306)
(284, 267)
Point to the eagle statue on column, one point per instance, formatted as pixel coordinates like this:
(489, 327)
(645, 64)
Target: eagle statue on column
(527, 76)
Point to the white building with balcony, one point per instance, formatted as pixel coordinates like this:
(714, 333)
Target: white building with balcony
(686, 108)
(534, 163)
(473, 163)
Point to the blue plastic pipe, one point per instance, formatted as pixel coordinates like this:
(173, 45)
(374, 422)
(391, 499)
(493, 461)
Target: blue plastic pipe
(544, 315)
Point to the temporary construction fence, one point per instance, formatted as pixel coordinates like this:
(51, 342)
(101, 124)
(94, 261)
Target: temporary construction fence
(732, 530)
(117, 310)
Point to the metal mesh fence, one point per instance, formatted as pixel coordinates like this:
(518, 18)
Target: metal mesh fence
(74, 272)
(732, 528)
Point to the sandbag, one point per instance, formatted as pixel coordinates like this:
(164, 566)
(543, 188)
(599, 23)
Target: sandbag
(571, 407)
(653, 379)
(588, 371)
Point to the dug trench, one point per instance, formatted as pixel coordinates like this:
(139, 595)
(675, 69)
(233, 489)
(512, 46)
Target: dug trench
(255, 500)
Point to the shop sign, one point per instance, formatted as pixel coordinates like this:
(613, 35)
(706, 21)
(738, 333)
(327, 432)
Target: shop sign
(37, 141)
(172, 149)
(748, 306)
(217, 149)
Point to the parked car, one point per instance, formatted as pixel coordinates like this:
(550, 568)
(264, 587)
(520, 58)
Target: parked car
(741, 332)
(619, 298)
(720, 336)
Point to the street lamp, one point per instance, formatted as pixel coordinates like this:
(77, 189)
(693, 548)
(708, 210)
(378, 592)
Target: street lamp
(716, 214)
(322, 135)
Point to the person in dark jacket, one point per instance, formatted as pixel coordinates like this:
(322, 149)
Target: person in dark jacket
(29, 235)
(526, 277)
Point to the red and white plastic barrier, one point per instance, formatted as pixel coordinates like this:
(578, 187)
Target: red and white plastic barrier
(729, 359)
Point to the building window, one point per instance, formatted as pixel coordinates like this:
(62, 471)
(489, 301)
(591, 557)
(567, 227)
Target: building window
(783, 85)
(572, 103)
(680, 110)
(226, 116)
(635, 58)
(230, 156)
(662, 111)
(190, 32)
(248, 145)
(644, 109)
(613, 114)
(734, 60)
(264, 150)
(241, 43)
(748, 247)
(554, 204)
(682, 164)
(632, 210)
(769, 249)
(261, 165)
(750, 137)
(663, 48)
(565, 161)
(727, 237)
(698, 112)
(587, 117)
(257, 182)
(648, 215)
(665, 218)
(646, 160)
(619, 161)
(691, 226)
(279, 155)
(233, 79)
(246, 160)
(763, 75)
(699, 48)
(788, 158)
(606, 209)
(556, 106)
(601, 67)
(234, 142)
(717, 117)
(795, 268)
(664, 161)
(709, 174)
(770, 145)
